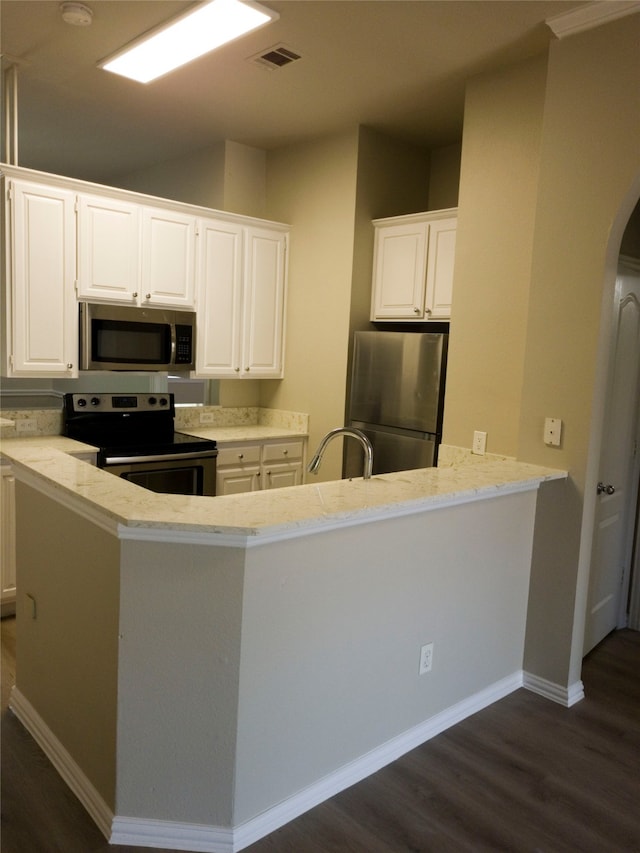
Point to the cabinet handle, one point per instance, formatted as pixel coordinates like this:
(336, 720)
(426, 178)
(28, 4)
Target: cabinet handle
(148, 296)
(69, 366)
(134, 295)
(240, 455)
(285, 452)
(416, 310)
(247, 369)
(427, 310)
(237, 369)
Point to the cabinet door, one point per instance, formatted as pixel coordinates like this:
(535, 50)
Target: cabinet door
(238, 469)
(44, 323)
(263, 312)
(399, 266)
(168, 258)
(441, 256)
(108, 249)
(282, 464)
(8, 541)
(219, 298)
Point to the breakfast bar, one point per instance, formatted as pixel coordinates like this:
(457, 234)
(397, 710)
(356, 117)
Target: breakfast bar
(218, 665)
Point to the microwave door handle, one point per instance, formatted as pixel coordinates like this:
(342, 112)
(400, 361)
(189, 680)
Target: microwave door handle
(172, 357)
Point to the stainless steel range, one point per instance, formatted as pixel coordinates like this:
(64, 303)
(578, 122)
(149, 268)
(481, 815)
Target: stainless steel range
(136, 440)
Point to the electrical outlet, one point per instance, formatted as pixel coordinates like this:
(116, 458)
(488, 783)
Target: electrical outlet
(26, 426)
(426, 658)
(479, 443)
(206, 417)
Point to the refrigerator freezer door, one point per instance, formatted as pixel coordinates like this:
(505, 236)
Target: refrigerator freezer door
(397, 379)
(392, 451)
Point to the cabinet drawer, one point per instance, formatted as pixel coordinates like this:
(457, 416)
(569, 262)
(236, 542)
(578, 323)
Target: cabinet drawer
(282, 451)
(249, 455)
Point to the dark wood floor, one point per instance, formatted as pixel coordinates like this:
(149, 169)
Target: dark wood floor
(524, 775)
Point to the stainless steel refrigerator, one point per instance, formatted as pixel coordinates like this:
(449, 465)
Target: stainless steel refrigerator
(396, 398)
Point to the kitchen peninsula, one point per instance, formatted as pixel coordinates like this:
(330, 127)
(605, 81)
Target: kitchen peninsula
(201, 670)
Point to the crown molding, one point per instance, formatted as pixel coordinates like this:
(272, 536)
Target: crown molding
(589, 17)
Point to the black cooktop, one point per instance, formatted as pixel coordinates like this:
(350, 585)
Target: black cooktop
(128, 424)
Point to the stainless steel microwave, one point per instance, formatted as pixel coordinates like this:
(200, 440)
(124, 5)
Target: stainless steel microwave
(120, 337)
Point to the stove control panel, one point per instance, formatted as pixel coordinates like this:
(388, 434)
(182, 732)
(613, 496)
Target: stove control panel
(119, 402)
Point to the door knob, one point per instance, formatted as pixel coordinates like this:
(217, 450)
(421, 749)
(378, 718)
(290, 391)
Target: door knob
(609, 489)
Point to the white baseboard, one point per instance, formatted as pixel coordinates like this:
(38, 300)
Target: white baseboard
(68, 769)
(566, 696)
(139, 832)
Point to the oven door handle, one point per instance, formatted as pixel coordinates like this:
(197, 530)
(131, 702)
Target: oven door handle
(159, 457)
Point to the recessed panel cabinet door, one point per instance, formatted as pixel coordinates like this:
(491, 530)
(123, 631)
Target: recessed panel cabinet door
(265, 258)
(108, 249)
(44, 324)
(400, 259)
(219, 298)
(440, 264)
(168, 258)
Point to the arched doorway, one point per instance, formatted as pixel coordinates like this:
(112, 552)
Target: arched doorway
(618, 465)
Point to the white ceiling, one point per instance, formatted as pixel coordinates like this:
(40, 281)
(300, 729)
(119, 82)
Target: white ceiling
(398, 66)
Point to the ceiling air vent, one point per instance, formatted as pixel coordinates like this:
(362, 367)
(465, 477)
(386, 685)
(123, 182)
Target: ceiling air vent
(275, 57)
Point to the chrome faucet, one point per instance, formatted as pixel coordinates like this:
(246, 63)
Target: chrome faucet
(313, 466)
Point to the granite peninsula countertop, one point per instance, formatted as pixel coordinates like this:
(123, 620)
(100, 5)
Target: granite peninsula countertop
(47, 462)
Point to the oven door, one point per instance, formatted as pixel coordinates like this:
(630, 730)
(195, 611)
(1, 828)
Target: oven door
(175, 474)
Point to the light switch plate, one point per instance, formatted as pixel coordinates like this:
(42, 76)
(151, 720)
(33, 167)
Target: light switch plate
(552, 431)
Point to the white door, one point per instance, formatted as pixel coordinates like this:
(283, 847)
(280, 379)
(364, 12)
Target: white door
(619, 466)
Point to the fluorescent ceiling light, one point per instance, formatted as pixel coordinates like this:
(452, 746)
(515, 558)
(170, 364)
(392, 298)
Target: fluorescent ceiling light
(188, 37)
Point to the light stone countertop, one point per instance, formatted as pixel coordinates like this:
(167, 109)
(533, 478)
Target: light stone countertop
(46, 463)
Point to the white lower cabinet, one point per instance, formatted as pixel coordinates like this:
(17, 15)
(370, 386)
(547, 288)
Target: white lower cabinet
(253, 466)
(7, 539)
(40, 299)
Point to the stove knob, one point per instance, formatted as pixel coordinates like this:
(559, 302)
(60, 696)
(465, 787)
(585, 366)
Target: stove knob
(81, 403)
(95, 401)
(152, 401)
(163, 401)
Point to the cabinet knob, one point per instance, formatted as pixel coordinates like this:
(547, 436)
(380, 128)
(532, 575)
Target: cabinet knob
(148, 296)
(285, 452)
(427, 310)
(240, 455)
(237, 369)
(247, 369)
(416, 310)
(135, 295)
(69, 366)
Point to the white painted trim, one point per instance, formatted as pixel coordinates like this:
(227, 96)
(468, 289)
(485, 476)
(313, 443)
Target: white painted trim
(68, 769)
(588, 17)
(371, 762)
(171, 835)
(566, 696)
(140, 832)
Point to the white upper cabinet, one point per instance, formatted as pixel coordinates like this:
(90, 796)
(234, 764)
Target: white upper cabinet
(135, 254)
(413, 267)
(264, 286)
(40, 303)
(168, 258)
(241, 292)
(108, 249)
(219, 331)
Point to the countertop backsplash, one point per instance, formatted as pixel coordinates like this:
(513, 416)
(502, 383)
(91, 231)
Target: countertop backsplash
(41, 422)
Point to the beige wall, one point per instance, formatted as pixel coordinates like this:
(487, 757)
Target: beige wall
(589, 183)
(550, 174)
(445, 177)
(498, 192)
(312, 187)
